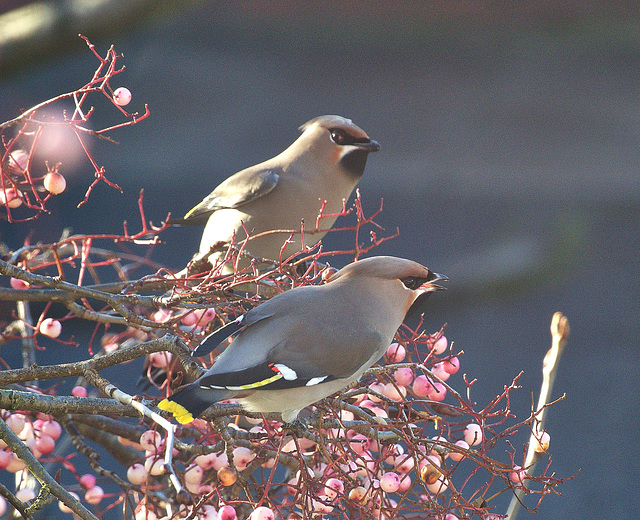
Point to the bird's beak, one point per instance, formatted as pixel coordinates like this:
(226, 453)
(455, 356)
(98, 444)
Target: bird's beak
(370, 146)
(431, 286)
(425, 291)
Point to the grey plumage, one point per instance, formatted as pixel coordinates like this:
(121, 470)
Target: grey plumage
(324, 163)
(310, 342)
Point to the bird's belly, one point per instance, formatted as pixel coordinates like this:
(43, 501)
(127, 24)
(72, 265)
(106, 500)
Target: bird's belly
(293, 399)
(259, 217)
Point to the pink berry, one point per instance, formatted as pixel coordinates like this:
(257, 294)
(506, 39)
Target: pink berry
(150, 440)
(403, 376)
(396, 353)
(397, 393)
(19, 159)
(293, 486)
(122, 96)
(18, 284)
(333, 487)
(391, 452)
(222, 461)
(379, 412)
(50, 327)
(439, 345)
(208, 512)
(227, 512)
(5, 458)
(405, 483)
(439, 371)
(242, 457)
(451, 365)
(31, 444)
(438, 393)
(517, 475)
(390, 482)
(154, 465)
(45, 444)
(3, 506)
(318, 507)
(15, 464)
(357, 493)
(16, 422)
(367, 403)
(193, 475)
(404, 463)
(262, 513)
(94, 495)
(10, 197)
(473, 434)
(87, 480)
(63, 507)
(52, 429)
(27, 432)
(421, 386)
(189, 319)
(270, 463)
(79, 391)
(54, 183)
(359, 443)
(541, 441)
(439, 486)
(136, 474)
(346, 415)
(204, 316)
(160, 359)
(206, 461)
(378, 388)
(364, 465)
(456, 456)
(205, 489)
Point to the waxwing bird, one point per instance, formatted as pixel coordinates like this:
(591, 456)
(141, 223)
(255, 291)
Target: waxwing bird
(324, 164)
(309, 342)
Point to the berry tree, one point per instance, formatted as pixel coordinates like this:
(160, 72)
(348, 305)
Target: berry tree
(407, 441)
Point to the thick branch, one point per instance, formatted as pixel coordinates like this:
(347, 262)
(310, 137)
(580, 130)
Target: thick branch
(167, 342)
(60, 405)
(36, 469)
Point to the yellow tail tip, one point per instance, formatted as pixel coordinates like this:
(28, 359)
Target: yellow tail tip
(180, 413)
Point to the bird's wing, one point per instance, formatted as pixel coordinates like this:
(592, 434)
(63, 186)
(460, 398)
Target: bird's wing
(304, 355)
(232, 328)
(234, 192)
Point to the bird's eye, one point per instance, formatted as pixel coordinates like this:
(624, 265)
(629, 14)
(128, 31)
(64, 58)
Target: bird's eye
(412, 283)
(338, 136)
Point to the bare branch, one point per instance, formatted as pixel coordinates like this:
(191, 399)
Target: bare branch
(46, 481)
(559, 337)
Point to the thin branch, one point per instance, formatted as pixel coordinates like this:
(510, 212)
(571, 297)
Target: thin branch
(109, 389)
(559, 336)
(167, 342)
(48, 483)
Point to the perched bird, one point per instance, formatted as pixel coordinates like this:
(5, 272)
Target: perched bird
(324, 164)
(309, 342)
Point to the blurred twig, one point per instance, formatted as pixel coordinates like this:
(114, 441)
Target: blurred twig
(38, 30)
(559, 335)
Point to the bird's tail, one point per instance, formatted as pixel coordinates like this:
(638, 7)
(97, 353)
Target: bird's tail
(191, 401)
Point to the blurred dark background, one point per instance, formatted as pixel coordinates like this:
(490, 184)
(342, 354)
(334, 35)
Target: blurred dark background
(510, 150)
